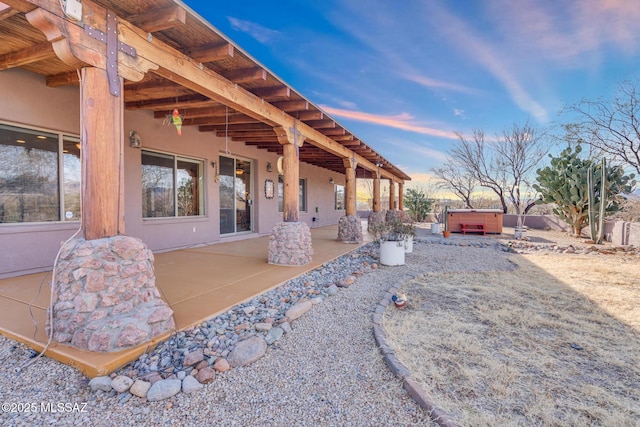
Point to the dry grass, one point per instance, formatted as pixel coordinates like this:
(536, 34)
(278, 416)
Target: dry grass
(555, 341)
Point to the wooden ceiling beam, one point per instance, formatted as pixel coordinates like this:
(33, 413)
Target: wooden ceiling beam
(29, 55)
(272, 92)
(345, 138)
(7, 11)
(310, 115)
(19, 5)
(246, 75)
(204, 121)
(322, 124)
(195, 100)
(333, 132)
(291, 106)
(247, 134)
(192, 113)
(154, 20)
(63, 79)
(211, 52)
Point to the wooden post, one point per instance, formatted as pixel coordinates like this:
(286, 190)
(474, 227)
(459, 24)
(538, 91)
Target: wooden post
(291, 142)
(376, 192)
(350, 165)
(400, 194)
(392, 195)
(101, 124)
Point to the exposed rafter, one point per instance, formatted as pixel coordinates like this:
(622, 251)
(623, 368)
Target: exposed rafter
(160, 19)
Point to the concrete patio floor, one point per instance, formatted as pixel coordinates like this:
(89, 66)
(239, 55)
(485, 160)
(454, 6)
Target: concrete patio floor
(198, 283)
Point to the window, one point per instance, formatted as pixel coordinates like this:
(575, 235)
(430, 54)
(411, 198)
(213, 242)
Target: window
(171, 186)
(302, 195)
(39, 177)
(339, 197)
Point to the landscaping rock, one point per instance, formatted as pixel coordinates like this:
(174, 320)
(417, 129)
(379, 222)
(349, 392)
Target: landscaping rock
(164, 389)
(190, 384)
(101, 383)
(248, 351)
(193, 358)
(206, 375)
(298, 310)
(140, 388)
(121, 383)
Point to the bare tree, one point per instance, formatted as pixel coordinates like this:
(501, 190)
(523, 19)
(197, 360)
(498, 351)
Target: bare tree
(505, 165)
(611, 126)
(456, 178)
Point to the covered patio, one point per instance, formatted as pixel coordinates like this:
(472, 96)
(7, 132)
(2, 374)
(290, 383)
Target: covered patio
(197, 283)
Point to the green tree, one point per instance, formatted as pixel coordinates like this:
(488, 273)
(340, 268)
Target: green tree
(418, 204)
(564, 183)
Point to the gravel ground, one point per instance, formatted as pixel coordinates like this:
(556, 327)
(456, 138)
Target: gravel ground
(327, 371)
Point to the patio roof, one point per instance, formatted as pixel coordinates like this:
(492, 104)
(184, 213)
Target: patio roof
(244, 103)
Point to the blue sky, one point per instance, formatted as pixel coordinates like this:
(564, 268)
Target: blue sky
(405, 75)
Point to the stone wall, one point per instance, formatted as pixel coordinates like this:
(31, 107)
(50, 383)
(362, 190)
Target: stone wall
(105, 297)
(290, 244)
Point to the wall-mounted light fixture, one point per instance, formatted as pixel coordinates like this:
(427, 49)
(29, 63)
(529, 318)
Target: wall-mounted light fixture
(135, 140)
(331, 181)
(269, 167)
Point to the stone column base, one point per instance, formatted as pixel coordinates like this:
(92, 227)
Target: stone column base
(105, 297)
(374, 219)
(290, 244)
(350, 229)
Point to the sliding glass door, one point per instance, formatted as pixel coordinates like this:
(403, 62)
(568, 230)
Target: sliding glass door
(235, 195)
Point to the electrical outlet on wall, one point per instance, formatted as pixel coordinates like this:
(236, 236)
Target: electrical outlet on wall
(73, 9)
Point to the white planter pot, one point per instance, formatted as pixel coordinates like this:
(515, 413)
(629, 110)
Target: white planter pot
(392, 253)
(520, 233)
(435, 228)
(408, 244)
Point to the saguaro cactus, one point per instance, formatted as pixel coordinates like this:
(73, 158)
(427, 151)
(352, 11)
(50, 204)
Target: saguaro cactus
(597, 205)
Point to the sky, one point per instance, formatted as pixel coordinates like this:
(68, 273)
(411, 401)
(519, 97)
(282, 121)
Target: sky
(406, 76)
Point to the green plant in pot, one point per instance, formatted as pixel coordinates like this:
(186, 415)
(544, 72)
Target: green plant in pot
(390, 235)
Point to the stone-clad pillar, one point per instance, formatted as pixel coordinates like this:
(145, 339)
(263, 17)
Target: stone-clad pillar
(349, 226)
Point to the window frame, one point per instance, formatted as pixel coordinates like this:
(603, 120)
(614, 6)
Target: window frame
(175, 184)
(335, 197)
(302, 198)
(60, 137)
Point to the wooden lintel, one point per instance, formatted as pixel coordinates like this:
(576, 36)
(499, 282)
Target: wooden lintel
(211, 52)
(272, 92)
(63, 79)
(35, 53)
(160, 19)
(245, 75)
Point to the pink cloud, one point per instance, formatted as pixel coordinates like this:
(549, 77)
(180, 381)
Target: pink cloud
(402, 121)
(438, 84)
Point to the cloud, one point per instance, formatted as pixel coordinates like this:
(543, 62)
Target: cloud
(437, 84)
(458, 112)
(487, 55)
(262, 34)
(404, 121)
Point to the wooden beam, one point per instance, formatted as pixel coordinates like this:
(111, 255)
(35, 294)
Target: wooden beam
(31, 54)
(310, 115)
(63, 79)
(154, 20)
(192, 113)
(333, 132)
(247, 134)
(22, 6)
(204, 121)
(345, 138)
(212, 52)
(291, 106)
(7, 11)
(322, 124)
(272, 92)
(193, 101)
(246, 75)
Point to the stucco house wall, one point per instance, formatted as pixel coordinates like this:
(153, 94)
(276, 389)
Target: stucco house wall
(31, 247)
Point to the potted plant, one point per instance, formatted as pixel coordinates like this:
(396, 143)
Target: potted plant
(445, 231)
(390, 235)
